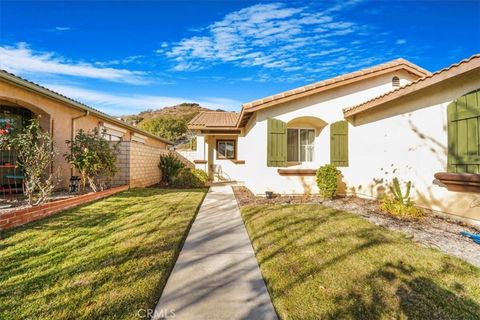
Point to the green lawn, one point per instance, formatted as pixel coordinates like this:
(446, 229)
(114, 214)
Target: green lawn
(320, 263)
(105, 260)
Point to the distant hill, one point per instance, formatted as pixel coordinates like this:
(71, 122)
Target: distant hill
(184, 110)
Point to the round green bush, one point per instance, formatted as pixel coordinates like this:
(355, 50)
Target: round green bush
(327, 180)
(190, 178)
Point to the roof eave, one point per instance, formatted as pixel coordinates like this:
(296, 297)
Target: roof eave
(75, 104)
(456, 70)
(301, 92)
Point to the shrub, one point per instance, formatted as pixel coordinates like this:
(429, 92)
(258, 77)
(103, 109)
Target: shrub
(394, 207)
(170, 166)
(399, 204)
(35, 155)
(190, 178)
(327, 180)
(92, 156)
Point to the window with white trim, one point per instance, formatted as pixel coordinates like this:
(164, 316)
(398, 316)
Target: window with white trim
(226, 149)
(300, 144)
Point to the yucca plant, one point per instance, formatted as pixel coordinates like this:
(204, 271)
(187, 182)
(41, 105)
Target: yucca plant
(170, 166)
(400, 204)
(397, 191)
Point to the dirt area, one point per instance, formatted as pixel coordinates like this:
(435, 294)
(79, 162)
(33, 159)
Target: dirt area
(431, 231)
(17, 202)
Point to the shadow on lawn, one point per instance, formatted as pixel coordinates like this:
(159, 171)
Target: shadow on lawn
(304, 243)
(419, 297)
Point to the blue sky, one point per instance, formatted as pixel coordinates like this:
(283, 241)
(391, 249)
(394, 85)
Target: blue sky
(124, 57)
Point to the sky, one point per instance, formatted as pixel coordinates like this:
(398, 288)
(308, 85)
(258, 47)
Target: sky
(124, 57)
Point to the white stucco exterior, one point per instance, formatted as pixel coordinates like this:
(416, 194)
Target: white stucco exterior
(407, 140)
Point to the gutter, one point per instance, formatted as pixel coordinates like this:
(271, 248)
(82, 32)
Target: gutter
(72, 134)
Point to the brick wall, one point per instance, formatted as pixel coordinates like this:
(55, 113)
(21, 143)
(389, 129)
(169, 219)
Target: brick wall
(137, 164)
(144, 162)
(122, 177)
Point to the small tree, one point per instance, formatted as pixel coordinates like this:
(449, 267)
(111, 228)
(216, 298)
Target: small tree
(35, 155)
(92, 156)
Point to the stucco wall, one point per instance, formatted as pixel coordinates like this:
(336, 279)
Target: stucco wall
(252, 145)
(407, 140)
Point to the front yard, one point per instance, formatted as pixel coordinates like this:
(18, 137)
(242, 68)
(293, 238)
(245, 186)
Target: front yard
(322, 263)
(106, 260)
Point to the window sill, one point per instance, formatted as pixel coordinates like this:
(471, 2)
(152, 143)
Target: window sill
(459, 182)
(238, 161)
(200, 161)
(297, 172)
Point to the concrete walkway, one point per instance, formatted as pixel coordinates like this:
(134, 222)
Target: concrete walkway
(216, 275)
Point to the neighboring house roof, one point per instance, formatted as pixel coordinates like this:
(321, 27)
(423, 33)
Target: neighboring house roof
(214, 119)
(10, 77)
(471, 64)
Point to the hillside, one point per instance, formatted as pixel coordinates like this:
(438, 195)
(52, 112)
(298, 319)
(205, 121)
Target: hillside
(185, 111)
(168, 122)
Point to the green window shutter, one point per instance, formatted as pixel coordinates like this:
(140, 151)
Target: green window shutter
(463, 117)
(339, 144)
(276, 143)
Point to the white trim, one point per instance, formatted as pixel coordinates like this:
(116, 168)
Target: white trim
(299, 144)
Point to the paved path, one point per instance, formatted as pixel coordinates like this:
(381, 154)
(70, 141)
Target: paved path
(216, 275)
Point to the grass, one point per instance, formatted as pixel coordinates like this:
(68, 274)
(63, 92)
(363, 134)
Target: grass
(104, 260)
(320, 263)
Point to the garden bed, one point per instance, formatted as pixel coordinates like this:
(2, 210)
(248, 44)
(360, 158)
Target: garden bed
(22, 213)
(431, 231)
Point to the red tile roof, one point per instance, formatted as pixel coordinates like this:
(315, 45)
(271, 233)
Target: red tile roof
(463, 66)
(334, 82)
(214, 119)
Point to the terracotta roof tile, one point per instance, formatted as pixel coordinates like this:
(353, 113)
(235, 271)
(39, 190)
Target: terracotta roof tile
(474, 61)
(360, 74)
(214, 119)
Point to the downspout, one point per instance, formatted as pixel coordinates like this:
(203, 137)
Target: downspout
(72, 135)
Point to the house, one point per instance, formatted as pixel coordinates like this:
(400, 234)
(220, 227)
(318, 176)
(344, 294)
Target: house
(21, 100)
(392, 120)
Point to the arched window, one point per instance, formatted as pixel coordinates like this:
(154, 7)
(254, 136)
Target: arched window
(395, 81)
